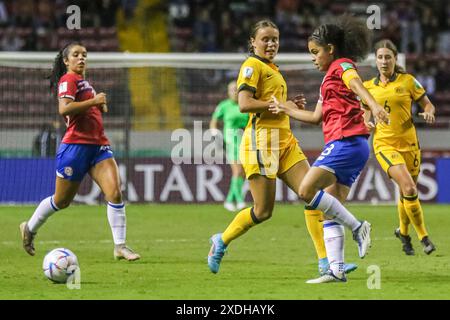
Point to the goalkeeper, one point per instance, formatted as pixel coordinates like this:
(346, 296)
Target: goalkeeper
(233, 123)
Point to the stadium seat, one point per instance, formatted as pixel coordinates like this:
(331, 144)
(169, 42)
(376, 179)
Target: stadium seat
(107, 32)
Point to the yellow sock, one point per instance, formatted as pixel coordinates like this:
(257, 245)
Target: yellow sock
(414, 211)
(243, 221)
(314, 224)
(403, 218)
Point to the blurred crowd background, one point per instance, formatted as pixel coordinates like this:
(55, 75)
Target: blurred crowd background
(223, 25)
(420, 29)
(147, 103)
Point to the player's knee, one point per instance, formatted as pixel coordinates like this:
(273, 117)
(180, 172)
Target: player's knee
(62, 204)
(262, 212)
(409, 189)
(114, 196)
(306, 193)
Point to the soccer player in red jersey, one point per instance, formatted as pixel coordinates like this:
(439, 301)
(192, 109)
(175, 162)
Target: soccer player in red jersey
(334, 48)
(84, 149)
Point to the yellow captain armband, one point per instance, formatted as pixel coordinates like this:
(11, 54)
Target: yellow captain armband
(349, 75)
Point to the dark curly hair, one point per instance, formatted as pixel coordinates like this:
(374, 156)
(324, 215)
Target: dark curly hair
(349, 35)
(59, 68)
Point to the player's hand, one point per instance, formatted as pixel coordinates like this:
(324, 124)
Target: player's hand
(274, 106)
(370, 125)
(428, 116)
(380, 115)
(300, 101)
(214, 132)
(100, 98)
(277, 107)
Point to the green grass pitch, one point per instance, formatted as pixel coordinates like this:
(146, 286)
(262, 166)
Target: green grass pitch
(271, 261)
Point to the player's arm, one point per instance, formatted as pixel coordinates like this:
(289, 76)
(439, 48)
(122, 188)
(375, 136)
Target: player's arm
(247, 103)
(356, 85)
(213, 124)
(294, 111)
(213, 127)
(67, 106)
(428, 109)
(217, 115)
(367, 117)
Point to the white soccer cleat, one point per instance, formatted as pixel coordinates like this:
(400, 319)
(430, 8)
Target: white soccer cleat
(124, 252)
(229, 206)
(27, 238)
(329, 276)
(362, 237)
(241, 205)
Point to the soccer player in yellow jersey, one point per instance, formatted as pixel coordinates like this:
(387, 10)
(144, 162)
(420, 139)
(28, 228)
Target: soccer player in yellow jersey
(268, 149)
(396, 146)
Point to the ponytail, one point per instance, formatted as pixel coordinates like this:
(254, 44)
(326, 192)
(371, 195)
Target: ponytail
(59, 67)
(399, 69)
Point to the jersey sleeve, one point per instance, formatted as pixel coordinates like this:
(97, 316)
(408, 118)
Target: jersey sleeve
(219, 112)
(249, 76)
(416, 89)
(67, 87)
(346, 70)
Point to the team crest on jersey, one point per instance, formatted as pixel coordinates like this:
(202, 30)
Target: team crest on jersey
(62, 87)
(247, 72)
(68, 171)
(399, 90)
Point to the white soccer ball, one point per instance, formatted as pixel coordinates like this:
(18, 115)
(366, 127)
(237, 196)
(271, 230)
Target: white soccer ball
(59, 264)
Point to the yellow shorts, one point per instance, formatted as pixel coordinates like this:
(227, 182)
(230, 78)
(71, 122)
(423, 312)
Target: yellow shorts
(391, 158)
(270, 163)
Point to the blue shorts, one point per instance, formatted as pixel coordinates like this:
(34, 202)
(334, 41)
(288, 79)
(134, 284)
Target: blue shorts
(73, 161)
(345, 158)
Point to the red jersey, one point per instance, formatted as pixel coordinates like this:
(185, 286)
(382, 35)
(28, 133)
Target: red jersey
(341, 112)
(85, 127)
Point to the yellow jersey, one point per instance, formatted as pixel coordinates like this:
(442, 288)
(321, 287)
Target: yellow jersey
(265, 130)
(397, 97)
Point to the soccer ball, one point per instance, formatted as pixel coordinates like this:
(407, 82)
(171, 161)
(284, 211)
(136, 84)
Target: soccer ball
(59, 264)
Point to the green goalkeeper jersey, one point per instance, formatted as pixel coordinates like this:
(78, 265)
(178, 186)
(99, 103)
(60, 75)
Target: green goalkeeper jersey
(228, 111)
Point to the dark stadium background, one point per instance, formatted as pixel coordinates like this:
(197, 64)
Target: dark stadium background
(178, 97)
